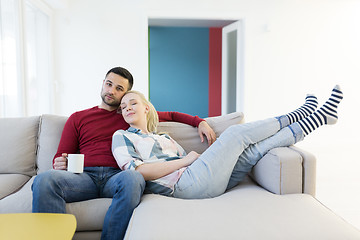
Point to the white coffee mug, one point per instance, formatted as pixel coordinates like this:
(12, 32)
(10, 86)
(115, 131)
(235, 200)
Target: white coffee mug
(75, 163)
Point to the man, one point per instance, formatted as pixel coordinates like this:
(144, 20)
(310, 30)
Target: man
(90, 132)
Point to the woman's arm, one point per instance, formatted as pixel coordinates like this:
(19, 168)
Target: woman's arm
(152, 171)
(127, 157)
(124, 152)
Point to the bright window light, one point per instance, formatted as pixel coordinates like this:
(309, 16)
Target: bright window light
(25, 82)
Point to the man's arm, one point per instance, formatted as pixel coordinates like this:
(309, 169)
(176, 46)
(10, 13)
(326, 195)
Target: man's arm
(179, 117)
(69, 143)
(195, 121)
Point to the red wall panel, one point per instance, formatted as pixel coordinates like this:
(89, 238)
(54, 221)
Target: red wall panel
(215, 42)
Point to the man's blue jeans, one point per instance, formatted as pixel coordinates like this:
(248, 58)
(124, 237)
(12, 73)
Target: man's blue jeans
(54, 188)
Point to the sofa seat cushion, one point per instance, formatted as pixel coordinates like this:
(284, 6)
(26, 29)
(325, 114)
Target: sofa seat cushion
(245, 212)
(10, 183)
(20, 201)
(18, 145)
(89, 214)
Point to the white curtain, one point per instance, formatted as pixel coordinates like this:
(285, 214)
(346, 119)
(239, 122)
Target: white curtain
(25, 82)
(38, 80)
(11, 90)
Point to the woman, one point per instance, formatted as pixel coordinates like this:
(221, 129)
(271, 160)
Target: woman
(169, 171)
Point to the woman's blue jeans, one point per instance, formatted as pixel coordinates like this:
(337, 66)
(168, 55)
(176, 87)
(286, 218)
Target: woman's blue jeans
(54, 188)
(227, 161)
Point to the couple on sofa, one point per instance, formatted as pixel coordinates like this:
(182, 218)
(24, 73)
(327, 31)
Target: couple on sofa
(158, 159)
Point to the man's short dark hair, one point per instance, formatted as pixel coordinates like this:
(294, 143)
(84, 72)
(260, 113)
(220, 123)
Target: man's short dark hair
(124, 73)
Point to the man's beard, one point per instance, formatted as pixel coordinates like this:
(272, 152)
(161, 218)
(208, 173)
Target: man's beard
(111, 103)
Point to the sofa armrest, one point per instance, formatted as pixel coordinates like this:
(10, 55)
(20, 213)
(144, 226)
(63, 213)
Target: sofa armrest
(309, 171)
(286, 170)
(10, 183)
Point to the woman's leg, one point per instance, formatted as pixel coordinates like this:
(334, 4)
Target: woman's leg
(305, 110)
(327, 114)
(302, 112)
(209, 174)
(251, 155)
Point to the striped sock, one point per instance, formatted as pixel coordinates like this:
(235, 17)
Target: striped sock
(305, 110)
(326, 115)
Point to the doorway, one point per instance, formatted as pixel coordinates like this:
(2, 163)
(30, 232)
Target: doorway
(195, 67)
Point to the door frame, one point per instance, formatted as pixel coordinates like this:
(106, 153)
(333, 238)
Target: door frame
(232, 99)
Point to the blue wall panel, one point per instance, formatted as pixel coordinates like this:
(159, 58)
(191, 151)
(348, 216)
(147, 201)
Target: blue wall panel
(179, 69)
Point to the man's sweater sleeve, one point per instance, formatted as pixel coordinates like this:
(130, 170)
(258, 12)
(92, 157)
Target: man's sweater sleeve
(69, 141)
(179, 117)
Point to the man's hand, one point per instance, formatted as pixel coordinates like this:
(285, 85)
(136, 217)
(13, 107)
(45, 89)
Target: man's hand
(205, 129)
(60, 163)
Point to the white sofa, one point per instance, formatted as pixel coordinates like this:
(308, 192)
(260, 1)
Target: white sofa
(277, 201)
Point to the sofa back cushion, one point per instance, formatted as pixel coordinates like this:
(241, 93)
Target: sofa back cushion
(18, 138)
(188, 137)
(51, 127)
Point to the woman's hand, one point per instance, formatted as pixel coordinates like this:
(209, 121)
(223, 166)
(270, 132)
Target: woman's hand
(151, 171)
(190, 158)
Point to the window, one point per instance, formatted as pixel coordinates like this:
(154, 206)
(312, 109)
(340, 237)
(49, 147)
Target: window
(25, 81)
(10, 91)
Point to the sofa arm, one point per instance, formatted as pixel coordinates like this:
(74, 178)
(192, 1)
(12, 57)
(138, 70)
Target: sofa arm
(286, 170)
(309, 171)
(10, 183)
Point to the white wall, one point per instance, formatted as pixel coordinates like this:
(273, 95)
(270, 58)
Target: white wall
(90, 42)
(292, 47)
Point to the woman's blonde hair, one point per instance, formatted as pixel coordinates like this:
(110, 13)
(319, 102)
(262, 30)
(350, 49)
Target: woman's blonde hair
(152, 116)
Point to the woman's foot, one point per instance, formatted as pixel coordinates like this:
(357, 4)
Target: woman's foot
(326, 115)
(305, 110)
